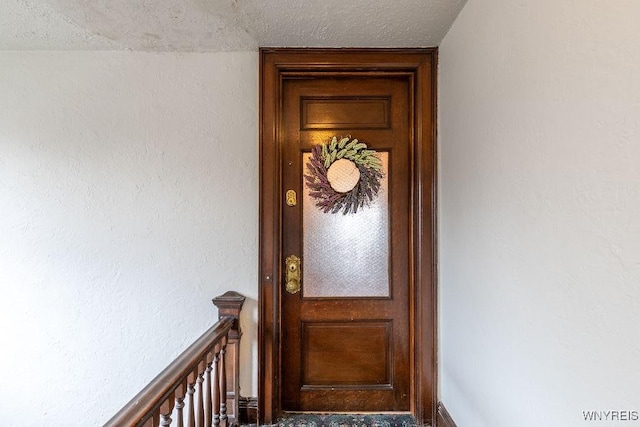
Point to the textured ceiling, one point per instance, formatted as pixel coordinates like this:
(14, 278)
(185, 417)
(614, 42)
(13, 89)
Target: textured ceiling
(222, 25)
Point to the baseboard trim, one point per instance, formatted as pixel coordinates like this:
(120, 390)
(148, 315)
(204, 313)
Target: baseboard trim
(444, 418)
(248, 409)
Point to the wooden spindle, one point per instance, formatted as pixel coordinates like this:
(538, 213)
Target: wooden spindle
(179, 415)
(190, 393)
(200, 414)
(179, 402)
(165, 420)
(207, 396)
(166, 409)
(223, 384)
(156, 419)
(216, 390)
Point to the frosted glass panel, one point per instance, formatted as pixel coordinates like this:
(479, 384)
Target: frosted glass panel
(346, 255)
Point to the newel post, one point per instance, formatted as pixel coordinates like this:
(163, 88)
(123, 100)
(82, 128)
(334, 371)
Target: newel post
(229, 304)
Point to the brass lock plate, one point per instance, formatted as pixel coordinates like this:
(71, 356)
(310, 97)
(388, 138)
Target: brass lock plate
(292, 275)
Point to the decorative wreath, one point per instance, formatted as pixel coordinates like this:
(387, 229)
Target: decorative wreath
(343, 175)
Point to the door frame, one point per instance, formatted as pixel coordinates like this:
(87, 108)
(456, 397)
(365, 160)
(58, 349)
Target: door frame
(420, 67)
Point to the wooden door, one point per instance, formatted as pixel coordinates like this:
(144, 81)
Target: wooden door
(352, 338)
(345, 334)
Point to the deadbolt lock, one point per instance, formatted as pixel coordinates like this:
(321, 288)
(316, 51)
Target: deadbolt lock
(291, 198)
(292, 275)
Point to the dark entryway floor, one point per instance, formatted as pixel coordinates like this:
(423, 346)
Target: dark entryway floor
(347, 420)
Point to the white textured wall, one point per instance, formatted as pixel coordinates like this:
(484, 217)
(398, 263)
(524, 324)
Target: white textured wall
(540, 212)
(128, 199)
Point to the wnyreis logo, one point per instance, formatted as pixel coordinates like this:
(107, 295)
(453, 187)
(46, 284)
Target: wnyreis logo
(610, 415)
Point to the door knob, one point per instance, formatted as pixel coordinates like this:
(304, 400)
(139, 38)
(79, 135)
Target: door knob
(292, 265)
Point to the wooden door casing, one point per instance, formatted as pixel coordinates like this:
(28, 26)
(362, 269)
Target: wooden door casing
(417, 68)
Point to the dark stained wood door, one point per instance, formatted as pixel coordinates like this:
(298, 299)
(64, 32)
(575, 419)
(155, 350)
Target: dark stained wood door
(347, 348)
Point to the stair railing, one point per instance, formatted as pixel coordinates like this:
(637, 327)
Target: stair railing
(200, 388)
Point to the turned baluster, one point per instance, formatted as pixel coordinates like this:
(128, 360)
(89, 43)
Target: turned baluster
(179, 404)
(165, 420)
(223, 384)
(200, 380)
(179, 415)
(216, 389)
(207, 396)
(166, 409)
(190, 393)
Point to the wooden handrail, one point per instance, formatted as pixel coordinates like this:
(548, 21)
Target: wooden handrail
(198, 364)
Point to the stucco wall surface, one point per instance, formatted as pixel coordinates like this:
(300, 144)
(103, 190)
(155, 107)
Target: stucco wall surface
(539, 213)
(128, 199)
